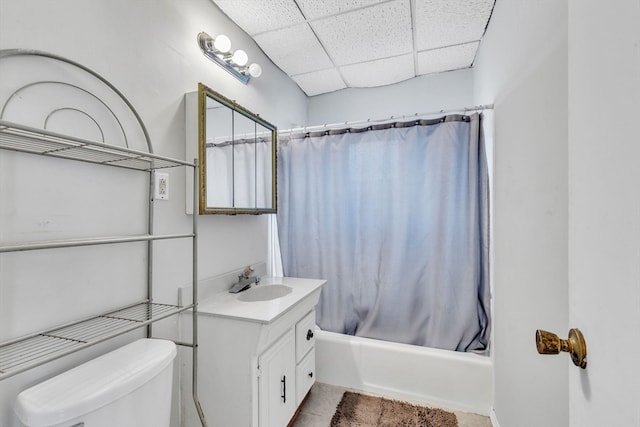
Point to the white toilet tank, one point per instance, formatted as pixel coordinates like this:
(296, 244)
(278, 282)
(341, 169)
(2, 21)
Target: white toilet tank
(128, 387)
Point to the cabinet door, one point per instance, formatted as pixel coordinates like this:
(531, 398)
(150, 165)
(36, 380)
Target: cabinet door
(277, 383)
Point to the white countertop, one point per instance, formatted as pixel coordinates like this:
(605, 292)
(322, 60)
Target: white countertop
(225, 304)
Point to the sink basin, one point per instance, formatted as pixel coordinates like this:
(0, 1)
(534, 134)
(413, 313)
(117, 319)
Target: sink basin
(264, 293)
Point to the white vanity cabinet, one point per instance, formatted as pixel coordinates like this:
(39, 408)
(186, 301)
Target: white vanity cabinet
(286, 373)
(257, 359)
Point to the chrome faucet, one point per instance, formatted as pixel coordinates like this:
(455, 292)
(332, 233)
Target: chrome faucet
(245, 280)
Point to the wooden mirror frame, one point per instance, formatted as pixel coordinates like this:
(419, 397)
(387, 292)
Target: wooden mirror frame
(203, 93)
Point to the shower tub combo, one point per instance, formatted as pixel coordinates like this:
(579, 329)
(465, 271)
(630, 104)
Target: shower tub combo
(456, 380)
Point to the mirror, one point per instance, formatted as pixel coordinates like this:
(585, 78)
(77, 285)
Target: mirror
(237, 155)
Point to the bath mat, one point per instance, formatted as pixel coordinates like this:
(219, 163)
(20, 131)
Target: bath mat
(359, 410)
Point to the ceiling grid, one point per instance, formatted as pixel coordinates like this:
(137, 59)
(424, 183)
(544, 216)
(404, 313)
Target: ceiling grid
(333, 44)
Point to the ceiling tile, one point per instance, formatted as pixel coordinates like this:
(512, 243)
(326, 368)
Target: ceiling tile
(314, 9)
(258, 16)
(375, 32)
(379, 73)
(295, 50)
(319, 82)
(444, 22)
(447, 59)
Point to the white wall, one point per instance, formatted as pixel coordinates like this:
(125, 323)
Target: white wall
(423, 94)
(604, 210)
(148, 50)
(522, 68)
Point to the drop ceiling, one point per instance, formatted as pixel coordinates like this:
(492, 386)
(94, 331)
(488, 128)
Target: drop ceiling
(328, 45)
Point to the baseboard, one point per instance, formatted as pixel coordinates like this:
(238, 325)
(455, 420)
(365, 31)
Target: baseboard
(494, 418)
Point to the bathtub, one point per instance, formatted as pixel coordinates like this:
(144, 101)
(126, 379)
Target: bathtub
(455, 380)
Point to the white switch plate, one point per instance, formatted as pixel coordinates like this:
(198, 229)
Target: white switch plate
(161, 186)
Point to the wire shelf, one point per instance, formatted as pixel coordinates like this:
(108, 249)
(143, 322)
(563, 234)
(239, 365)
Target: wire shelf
(26, 139)
(28, 352)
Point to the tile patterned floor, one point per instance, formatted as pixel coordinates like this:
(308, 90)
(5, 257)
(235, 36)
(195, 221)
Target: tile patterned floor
(321, 405)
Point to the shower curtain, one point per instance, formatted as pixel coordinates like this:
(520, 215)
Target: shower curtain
(395, 218)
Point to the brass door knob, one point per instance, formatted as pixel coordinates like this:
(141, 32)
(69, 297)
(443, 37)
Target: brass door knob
(575, 345)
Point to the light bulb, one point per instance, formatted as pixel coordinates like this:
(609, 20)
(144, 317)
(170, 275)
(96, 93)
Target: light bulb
(240, 57)
(222, 43)
(255, 70)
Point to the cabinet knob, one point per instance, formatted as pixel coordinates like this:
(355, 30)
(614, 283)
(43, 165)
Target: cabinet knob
(310, 374)
(309, 334)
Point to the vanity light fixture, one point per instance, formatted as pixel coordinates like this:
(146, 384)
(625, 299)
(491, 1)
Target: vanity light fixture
(218, 49)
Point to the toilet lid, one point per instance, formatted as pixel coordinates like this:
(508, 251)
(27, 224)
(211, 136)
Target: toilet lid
(94, 384)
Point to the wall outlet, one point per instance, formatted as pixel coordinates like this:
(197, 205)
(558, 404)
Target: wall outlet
(161, 186)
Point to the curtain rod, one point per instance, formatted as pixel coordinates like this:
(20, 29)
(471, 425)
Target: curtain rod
(397, 118)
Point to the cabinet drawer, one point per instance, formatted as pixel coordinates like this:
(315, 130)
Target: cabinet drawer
(305, 329)
(305, 376)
